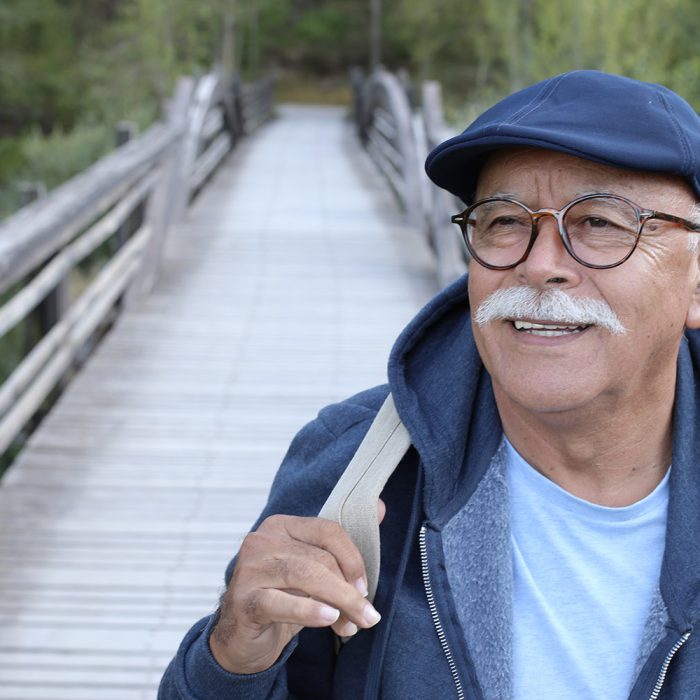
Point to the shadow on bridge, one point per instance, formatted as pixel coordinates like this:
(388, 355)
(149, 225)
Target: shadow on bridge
(279, 290)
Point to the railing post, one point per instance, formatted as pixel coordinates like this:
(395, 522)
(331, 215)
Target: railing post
(49, 311)
(231, 99)
(357, 82)
(31, 191)
(433, 115)
(194, 122)
(449, 249)
(163, 206)
(124, 132)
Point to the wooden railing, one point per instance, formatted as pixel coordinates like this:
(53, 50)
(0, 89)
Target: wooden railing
(151, 179)
(399, 137)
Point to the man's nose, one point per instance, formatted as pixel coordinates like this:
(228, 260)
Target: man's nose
(548, 261)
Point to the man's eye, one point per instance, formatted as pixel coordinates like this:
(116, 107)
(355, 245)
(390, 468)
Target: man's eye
(597, 222)
(505, 221)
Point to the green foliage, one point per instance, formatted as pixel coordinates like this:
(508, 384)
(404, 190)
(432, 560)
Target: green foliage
(68, 60)
(481, 51)
(139, 56)
(50, 159)
(57, 157)
(304, 35)
(44, 47)
(11, 162)
(72, 69)
(65, 60)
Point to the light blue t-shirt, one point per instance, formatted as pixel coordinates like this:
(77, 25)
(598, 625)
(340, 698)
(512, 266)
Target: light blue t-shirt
(584, 577)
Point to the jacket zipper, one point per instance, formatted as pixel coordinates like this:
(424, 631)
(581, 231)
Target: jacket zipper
(664, 667)
(448, 652)
(434, 614)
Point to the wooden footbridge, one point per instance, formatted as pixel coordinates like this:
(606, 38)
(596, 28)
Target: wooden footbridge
(224, 327)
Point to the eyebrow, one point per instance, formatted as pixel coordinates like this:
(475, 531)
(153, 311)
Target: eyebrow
(580, 193)
(506, 195)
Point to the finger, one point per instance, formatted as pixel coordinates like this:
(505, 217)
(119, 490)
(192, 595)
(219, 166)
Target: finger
(316, 581)
(272, 606)
(344, 627)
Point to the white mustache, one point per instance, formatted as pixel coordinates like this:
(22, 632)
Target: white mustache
(549, 305)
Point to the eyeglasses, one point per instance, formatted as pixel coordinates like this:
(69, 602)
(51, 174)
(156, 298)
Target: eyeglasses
(597, 230)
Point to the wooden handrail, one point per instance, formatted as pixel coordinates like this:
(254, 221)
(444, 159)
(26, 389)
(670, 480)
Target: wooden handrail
(399, 139)
(37, 231)
(387, 122)
(159, 172)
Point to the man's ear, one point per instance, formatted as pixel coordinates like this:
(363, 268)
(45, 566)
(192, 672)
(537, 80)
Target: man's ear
(693, 317)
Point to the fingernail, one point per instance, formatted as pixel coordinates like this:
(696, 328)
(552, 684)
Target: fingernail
(371, 615)
(329, 614)
(361, 586)
(348, 629)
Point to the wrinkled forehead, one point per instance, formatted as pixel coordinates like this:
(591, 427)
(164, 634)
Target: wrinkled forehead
(533, 172)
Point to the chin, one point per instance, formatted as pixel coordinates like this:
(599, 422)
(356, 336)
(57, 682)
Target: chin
(545, 397)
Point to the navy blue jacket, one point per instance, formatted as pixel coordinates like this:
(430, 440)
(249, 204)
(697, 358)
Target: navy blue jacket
(421, 648)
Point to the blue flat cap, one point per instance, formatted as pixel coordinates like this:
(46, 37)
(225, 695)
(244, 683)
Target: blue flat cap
(605, 118)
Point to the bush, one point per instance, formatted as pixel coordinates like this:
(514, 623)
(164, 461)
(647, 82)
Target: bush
(55, 158)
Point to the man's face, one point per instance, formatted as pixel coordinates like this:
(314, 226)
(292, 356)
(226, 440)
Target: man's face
(654, 293)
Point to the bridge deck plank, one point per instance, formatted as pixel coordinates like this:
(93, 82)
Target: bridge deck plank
(281, 291)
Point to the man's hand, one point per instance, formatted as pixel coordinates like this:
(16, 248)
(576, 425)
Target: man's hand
(291, 573)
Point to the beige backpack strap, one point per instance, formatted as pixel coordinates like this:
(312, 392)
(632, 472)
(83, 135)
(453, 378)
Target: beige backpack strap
(353, 501)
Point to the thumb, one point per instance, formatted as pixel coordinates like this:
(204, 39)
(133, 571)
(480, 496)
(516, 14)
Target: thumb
(381, 510)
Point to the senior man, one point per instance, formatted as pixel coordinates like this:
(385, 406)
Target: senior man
(541, 538)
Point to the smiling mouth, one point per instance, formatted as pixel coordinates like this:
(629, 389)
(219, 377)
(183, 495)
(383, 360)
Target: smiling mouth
(547, 330)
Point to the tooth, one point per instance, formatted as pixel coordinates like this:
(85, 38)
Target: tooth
(527, 326)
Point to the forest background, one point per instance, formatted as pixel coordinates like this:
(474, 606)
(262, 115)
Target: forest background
(71, 69)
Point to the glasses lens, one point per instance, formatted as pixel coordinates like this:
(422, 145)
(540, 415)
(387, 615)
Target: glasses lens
(602, 230)
(499, 231)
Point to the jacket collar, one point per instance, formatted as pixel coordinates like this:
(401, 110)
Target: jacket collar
(443, 394)
(680, 574)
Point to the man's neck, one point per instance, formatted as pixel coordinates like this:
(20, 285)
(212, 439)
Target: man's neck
(613, 462)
